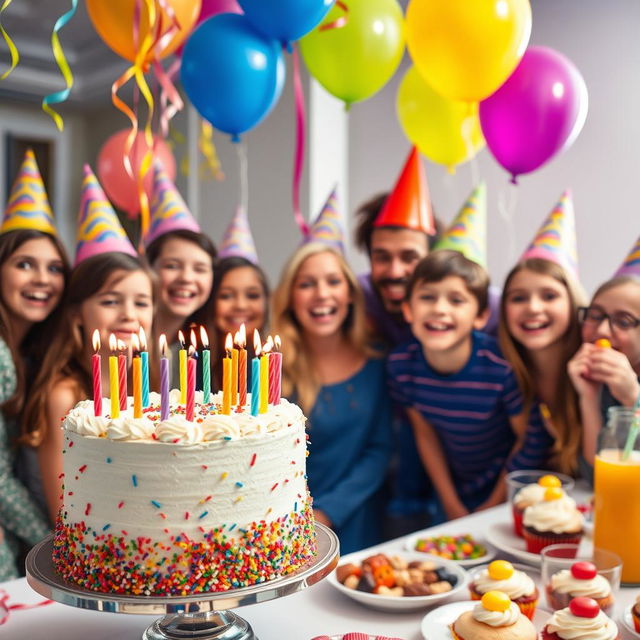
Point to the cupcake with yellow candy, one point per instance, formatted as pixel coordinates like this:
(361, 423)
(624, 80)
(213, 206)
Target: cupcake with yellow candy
(495, 617)
(529, 495)
(554, 520)
(502, 576)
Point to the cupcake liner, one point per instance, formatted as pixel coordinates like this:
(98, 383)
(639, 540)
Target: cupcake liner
(454, 634)
(635, 615)
(527, 608)
(518, 515)
(536, 542)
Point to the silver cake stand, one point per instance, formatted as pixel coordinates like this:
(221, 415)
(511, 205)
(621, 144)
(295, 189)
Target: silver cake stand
(204, 616)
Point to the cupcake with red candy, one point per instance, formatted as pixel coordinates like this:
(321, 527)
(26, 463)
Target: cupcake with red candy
(581, 580)
(552, 521)
(495, 617)
(529, 495)
(502, 576)
(635, 614)
(583, 618)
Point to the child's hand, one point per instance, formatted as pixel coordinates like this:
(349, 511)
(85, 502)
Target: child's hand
(455, 510)
(579, 370)
(613, 368)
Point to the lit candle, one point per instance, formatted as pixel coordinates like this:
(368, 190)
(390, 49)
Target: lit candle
(96, 366)
(264, 376)
(242, 366)
(191, 383)
(164, 379)
(206, 366)
(275, 372)
(226, 376)
(114, 386)
(136, 366)
(144, 356)
(182, 354)
(255, 374)
(234, 371)
(122, 374)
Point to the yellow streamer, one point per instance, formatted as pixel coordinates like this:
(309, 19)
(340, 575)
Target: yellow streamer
(15, 56)
(208, 149)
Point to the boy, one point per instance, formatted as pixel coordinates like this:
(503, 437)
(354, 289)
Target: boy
(460, 394)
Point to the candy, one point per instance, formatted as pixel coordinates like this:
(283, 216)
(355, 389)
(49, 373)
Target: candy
(549, 481)
(496, 601)
(603, 343)
(462, 547)
(584, 607)
(553, 493)
(500, 570)
(584, 570)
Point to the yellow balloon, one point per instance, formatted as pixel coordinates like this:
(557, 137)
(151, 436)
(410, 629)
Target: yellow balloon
(466, 49)
(445, 131)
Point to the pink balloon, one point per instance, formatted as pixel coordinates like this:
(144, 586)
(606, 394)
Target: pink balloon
(120, 188)
(536, 113)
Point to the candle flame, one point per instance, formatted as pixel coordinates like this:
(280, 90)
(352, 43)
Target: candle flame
(143, 339)
(204, 338)
(242, 341)
(181, 339)
(257, 349)
(257, 345)
(163, 345)
(95, 339)
(193, 339)
(135, 342)
(267, 346)
(113, 343)
(228, 344)
(278, 343)
(122, 346)
(192, 351)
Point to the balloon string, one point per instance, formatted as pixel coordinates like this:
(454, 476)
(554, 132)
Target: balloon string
(4, 604)
(241, 150)
(15, 56)
(340, 22)
(507, 204)
(298, 162)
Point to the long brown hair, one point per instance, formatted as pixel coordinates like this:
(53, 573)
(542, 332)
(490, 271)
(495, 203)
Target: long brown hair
(64, 358)
(35, 341)
(298, 373)
(564, 407)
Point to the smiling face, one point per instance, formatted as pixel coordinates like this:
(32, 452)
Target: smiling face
(537, 309)
(321, 295)
(186, 276)
(32, 282)
(240, 299)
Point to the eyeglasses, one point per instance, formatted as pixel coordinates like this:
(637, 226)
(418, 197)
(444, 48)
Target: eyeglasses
(620, 320)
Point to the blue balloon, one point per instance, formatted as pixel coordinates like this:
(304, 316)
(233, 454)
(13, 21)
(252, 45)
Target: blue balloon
(285, 20)
(232, 74)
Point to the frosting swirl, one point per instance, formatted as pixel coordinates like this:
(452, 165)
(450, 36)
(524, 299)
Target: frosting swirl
(517, 585)
(178, 430)
(558, 516)
(497, 618)
(564, 582)
(82, 420)
(534, 493)
(217, 427)
(570, 627)
(130, 429)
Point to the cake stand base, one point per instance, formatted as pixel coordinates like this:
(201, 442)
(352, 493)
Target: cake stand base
(220, 625)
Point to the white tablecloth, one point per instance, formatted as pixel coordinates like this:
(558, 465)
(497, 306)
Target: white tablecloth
(317, 610)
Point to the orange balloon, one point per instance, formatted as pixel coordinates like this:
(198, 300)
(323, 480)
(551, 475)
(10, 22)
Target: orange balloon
(114, 22)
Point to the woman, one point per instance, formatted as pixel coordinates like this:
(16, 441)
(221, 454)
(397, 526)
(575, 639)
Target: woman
(340, 384)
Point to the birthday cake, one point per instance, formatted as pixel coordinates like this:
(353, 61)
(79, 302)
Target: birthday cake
(174, 507)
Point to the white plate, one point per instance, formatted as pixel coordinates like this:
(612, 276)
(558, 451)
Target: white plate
(408, 603)
(501, 536)
(627, 622)
(410, 545)
(435, 625)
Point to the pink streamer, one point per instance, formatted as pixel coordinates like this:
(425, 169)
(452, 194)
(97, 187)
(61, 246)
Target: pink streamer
(170, 100)
(300, 136)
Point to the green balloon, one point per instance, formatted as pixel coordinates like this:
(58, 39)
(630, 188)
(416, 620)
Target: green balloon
(358, 51)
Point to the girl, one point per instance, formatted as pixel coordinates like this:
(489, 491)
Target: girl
(606, 373)
(539, 333)
(319, 313)
(110, 292)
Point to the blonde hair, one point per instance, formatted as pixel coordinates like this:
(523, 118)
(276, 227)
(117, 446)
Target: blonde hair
(299, 376)
(564, 407)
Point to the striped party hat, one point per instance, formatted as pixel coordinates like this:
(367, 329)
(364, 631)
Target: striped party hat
(169, 211)
(327, 227)
(99, 230)
(237, 240)
(556, 238)
(468, 231)
(28, 206)
(631, 264)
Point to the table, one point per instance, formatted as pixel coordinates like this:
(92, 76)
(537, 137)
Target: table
(314, 611)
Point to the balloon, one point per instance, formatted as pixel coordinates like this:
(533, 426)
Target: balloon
(114, 22)
(232, 74)
(354, 61)
(536, 113)
(465, 49)
(445, 131)
(121, 189)
(285, 20)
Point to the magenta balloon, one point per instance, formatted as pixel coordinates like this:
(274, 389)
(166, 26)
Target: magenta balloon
(536, 113)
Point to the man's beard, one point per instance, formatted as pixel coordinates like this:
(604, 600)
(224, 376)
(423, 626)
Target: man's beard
(393, 307)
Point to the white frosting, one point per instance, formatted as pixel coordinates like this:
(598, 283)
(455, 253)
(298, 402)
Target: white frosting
(176, 429)
(518, 585)
(530, 494)
(82, 420)
(126, 428)
(557, 516)
(219, 427)
(497, 618)
(564, 582)
(570, 627)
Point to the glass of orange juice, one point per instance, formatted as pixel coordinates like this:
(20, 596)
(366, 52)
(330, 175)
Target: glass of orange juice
(617, 499)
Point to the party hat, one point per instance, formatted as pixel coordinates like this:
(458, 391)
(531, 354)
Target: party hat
(237, 240)
(99, 230)
(169, 211)
(468, 231)
(327, 227)
(409, 204)
(631, 264)
(28, 206)
(556, 238)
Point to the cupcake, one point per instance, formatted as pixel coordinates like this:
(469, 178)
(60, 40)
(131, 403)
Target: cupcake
(635, 614)
(554, 520)
(583, 618)
(501, 575)
(494, 618)
(582, 580)
(529, 495)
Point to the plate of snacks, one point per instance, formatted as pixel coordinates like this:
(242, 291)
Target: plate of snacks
(630, 618)
(462, 548)
(398, 580)
(354, 635)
